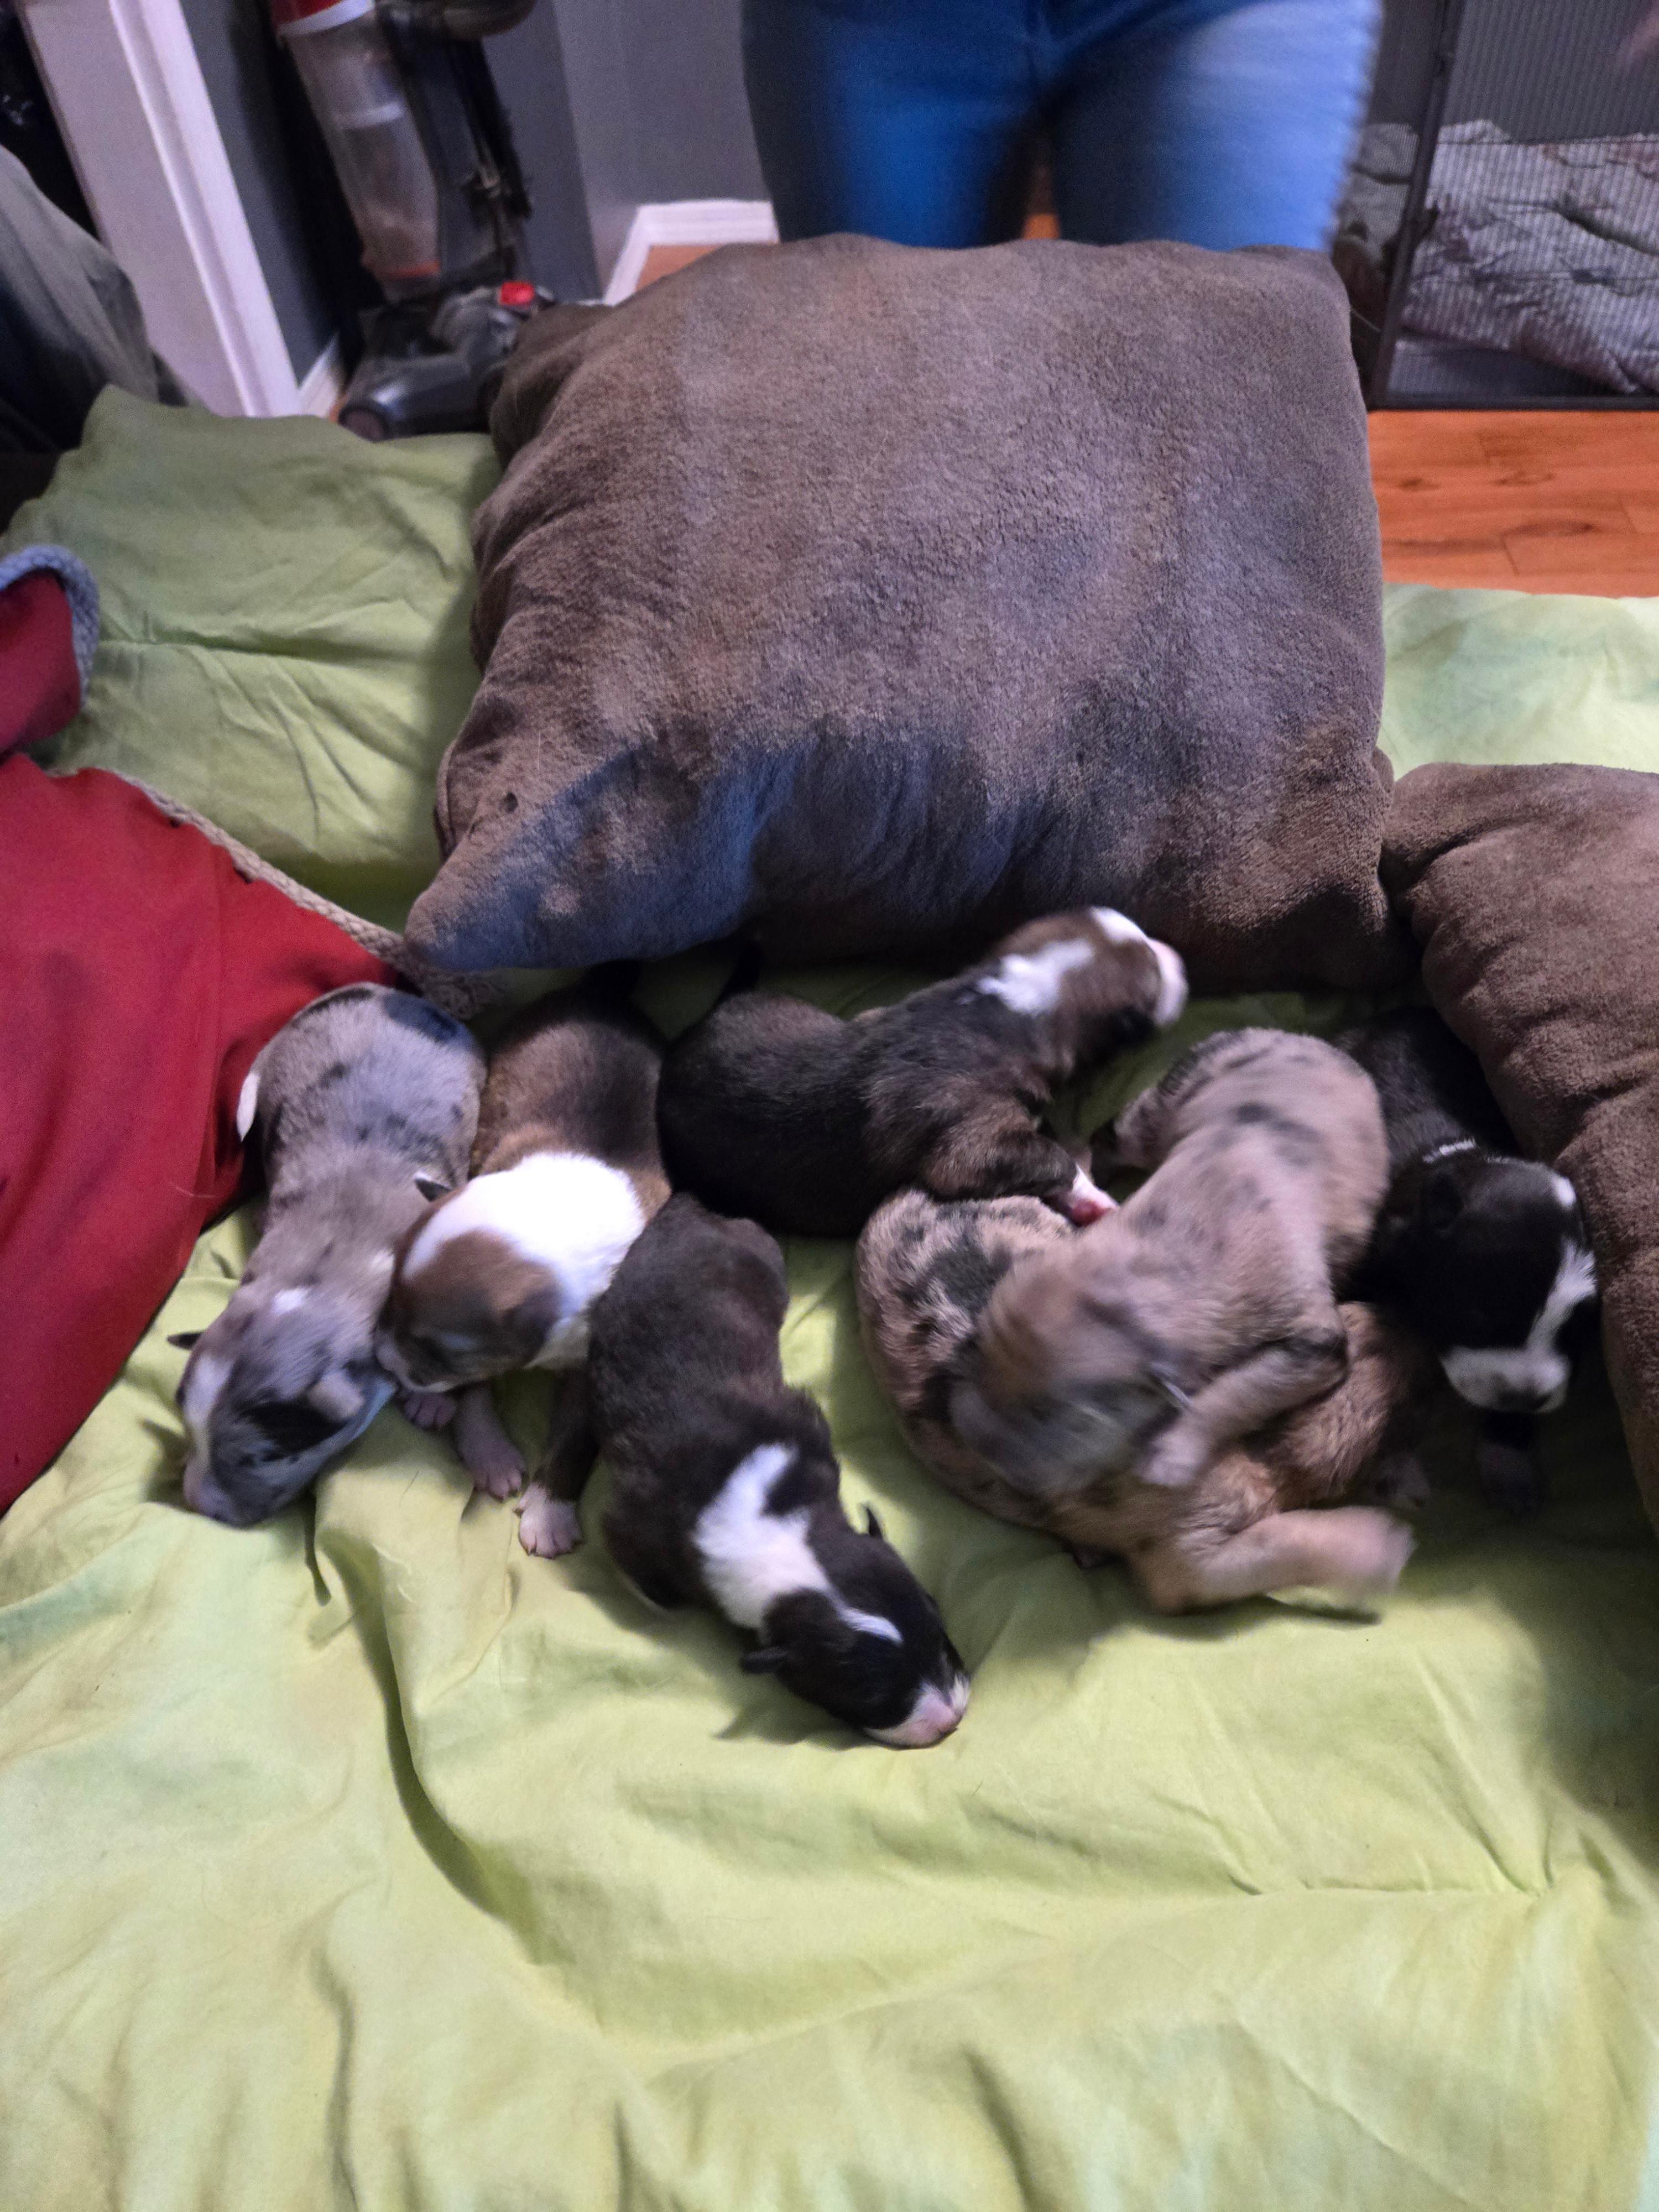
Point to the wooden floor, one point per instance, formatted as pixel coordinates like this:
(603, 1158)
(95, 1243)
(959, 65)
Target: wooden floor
(1529, 503)
(1522, 502)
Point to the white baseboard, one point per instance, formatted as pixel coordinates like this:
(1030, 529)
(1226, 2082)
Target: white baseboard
(323, 386)
(687, 222)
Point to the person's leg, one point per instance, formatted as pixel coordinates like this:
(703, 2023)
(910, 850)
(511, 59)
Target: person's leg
(1229, 128)
(907, 119)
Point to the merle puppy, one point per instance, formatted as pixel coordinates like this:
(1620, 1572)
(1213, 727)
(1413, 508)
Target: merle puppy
(926, 1273)
(1484, 1253)
(774, 1107)
(725, 1489)
(365, 1105)
(1205, 1307)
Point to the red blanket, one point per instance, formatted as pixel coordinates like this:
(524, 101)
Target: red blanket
(139, 975)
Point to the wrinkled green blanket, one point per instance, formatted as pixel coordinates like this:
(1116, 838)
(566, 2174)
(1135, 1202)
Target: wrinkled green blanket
(362, 1860)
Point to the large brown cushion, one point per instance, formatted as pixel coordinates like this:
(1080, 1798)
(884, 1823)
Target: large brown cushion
(1534, 895)
(890, 597)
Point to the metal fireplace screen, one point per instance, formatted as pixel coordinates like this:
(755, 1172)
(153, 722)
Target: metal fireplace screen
(1500, 234)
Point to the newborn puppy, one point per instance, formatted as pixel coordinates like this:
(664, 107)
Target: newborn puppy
(925, 1274)
(725, 1490)
(365, 1105)
(1484, 1253)
(502, 1274)
(774, 1107)
(1205, 1308)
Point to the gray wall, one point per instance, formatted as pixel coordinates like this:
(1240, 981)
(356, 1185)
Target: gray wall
(692, 133)
(654, 109)
(1539, 68)
(230, 42)
(1552, 68)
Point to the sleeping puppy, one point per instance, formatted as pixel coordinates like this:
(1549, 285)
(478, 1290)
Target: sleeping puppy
(1204, 1308)
(926, 1274)
(1484, 1253)
(772, 1108)
(502, 1274)
(725, 1491)
(365, 1105)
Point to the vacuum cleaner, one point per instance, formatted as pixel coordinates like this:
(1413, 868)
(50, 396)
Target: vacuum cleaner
(409, 110)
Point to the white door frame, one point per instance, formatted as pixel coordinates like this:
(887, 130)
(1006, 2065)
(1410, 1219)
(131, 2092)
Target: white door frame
(133, 107)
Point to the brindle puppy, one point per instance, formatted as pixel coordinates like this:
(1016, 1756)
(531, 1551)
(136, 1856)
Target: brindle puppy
(1204, 1308)
(926, 1274)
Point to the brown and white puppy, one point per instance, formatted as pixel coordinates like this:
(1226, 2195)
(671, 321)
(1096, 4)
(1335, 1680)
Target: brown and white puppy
(503, 1273)
(1204, 1308)
(772, 1108)
(925, 1274)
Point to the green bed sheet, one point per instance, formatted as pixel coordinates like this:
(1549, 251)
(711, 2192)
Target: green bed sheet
(361, 1861)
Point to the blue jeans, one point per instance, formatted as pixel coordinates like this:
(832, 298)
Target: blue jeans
(1222, 122)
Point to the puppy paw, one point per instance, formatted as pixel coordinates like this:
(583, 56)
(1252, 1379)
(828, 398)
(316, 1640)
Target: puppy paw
(1170, 1464)
(1375, 1548)
(1508, 1476)
(498, 1473)
(1085, 1201)
(427, 1409)
(548, 1527)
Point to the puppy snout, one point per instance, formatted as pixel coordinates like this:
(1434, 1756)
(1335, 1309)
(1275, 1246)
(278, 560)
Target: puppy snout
(1085, 1201)
(935, 1715)
(206, 1496)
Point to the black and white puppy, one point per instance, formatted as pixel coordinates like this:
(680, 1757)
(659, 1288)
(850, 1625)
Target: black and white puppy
(725, 1490)
(365, 1105)
(1484, 1253)
(774, 1107)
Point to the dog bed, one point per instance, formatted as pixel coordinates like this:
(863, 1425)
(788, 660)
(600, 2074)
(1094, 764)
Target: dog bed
(362, 1860)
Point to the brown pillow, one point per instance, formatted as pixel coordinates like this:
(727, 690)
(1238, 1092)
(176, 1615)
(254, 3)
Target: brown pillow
(1534, 893)
(889, 598)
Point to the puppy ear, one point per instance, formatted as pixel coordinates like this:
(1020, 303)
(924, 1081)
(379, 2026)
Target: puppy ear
(765, 1659)
(187, 1340)
(336, 1396)
(872, 1526)
(1443, 1200)
(431, 1188)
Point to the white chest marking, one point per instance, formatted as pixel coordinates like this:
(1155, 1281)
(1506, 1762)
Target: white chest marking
(566, 1213)
(750, 1558)
(1496, 1376)
(1031, 982)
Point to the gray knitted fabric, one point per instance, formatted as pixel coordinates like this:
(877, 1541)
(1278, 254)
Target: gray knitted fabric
(80, 588)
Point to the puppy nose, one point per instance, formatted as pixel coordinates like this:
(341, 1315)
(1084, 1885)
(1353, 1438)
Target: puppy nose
(933, 1718)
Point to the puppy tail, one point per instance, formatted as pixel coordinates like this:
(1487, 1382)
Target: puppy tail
(745, 971)
(614, 979)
